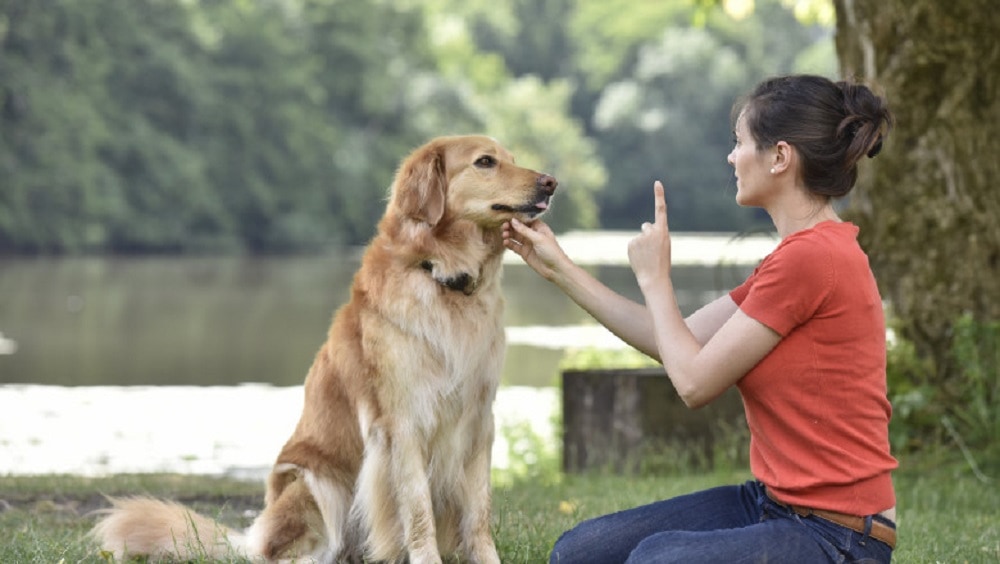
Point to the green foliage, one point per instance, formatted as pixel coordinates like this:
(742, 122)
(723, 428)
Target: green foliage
(265, 126)
(173, 126)
(607, 37)
(975, 397)
(667, 115)
(915, 415)
(593, 358)
(653, 85)
(52, 194)
(963, 412)
(663, 125)
(530, 456)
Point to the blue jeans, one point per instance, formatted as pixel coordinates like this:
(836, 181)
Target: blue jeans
(731, 524)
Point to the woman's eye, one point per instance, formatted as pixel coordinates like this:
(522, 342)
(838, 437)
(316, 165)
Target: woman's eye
(486, 161)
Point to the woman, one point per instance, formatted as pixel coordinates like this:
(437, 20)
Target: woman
(803, 338)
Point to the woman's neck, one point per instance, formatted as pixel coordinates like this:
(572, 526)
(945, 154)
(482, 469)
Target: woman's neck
(804, 215)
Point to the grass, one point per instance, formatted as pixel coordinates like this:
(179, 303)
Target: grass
(946, 513)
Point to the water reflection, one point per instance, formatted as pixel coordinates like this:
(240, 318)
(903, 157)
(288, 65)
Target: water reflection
(232, 320)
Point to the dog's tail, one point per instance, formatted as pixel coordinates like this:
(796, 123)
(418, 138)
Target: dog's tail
(143, 526)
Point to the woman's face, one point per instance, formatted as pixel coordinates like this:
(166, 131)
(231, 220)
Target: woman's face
(753, 179)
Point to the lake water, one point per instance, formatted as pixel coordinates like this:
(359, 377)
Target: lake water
(231, 320)
(103, 357)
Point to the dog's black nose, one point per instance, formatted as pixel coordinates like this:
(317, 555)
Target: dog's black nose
(547, 184)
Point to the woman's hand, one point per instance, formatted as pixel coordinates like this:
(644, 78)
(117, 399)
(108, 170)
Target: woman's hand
(537, 245)
(649, 252)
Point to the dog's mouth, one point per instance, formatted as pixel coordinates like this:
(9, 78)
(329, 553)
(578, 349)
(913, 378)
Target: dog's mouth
(545, 187)
(536, 208)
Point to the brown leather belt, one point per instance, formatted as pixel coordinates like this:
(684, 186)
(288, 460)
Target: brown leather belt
(879, 531)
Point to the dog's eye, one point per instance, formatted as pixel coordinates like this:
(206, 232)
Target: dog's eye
(486, 161)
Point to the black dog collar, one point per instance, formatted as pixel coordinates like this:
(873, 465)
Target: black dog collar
(462, 283)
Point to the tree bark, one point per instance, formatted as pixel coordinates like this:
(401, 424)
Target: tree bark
(928, 207)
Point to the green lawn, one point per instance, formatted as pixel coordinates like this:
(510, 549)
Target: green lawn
(946, 514)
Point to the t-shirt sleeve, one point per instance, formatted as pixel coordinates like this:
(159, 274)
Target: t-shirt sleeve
(739, 293)
(788, 287)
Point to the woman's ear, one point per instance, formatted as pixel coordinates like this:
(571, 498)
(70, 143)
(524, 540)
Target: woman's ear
(420, 187)
(782, 157)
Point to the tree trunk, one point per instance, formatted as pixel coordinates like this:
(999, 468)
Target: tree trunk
(929, 207)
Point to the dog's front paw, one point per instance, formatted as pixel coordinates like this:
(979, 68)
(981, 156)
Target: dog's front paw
(424, 556)
(483, 552)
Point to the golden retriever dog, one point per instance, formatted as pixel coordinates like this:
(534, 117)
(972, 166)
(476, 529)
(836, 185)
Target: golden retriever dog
(390, 460)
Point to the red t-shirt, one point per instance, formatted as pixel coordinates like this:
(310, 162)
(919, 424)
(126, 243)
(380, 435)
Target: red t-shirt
(816, 405)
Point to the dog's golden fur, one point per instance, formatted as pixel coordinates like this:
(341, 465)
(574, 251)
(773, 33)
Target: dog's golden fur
(391, 457)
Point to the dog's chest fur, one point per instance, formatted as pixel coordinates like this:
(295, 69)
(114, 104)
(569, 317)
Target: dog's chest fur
(440, 349)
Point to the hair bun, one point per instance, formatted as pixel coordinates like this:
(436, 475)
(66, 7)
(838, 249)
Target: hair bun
(867, 120)
(876, 148)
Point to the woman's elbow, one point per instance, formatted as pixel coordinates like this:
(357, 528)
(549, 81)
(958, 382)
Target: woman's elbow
(695, 401)
(692, 395)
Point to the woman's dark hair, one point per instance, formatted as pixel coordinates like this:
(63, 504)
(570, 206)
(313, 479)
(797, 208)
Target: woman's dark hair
(831, 125)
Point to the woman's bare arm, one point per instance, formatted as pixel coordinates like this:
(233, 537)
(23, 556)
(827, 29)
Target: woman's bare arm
(627, 319)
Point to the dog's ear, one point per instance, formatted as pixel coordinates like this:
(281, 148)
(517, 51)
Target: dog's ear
(421, 185)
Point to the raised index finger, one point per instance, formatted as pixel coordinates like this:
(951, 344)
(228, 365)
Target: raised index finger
(660, 203)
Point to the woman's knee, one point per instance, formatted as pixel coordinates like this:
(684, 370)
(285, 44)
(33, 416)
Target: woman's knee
(586, 542)
(663, 548)
(566, 546)
(644, 552)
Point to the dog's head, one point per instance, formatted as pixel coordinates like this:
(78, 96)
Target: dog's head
(469, 177)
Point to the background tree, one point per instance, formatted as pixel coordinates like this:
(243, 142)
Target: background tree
(151, 91)
(276, 125)
(667, 113)
(53, 194)
(653, 86)
(530, 112)
(260, 125)
(658, 123)
(929, 207)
